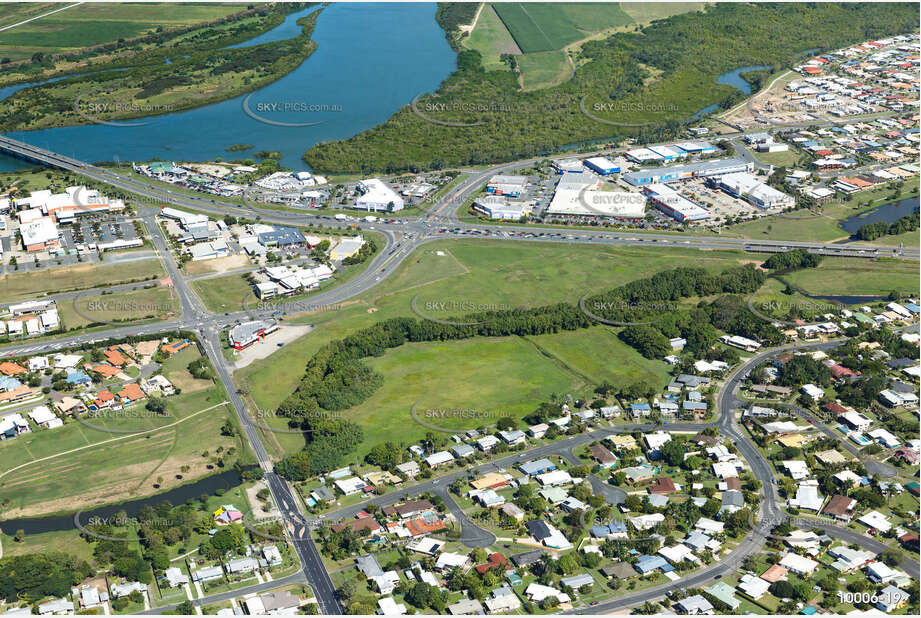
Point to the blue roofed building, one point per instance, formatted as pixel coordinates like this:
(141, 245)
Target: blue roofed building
(78, 378)
(539, 466)
(613, 530)
(281, 236)
(647, 564)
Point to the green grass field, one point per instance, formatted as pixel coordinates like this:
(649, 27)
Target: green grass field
(26, 285)
(491, 38)
(858, 276)
(645, 12)
(546, 26)
(95, 23)
(788, 158)
(544, 69)
(118, 466)
(496, 377)
(155, 303)
(508, 274)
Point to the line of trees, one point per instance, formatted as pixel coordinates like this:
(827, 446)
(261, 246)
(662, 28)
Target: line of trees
(336, 379)
(872, 231)
(792, 260)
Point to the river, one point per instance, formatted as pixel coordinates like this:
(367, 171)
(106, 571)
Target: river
(732, 78)
(180, 495)
(371, 59)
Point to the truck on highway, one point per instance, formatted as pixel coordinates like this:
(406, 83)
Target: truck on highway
(341, 217)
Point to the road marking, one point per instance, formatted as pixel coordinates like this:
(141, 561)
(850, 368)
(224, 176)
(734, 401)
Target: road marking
(40, 16)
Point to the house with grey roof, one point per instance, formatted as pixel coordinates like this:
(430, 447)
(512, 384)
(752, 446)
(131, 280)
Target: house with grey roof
(577, 581)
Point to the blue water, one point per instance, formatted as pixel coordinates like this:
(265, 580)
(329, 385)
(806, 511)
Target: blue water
(730, 78)
(371, 59)
(888, 213)
(288, 29)
(733, 78)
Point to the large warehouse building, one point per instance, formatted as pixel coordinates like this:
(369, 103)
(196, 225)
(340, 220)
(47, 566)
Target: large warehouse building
(701, 169)
(511, 186)
(497, 207)
(376, 196)
(578, 195)
(674, 204)
(753, 191)
(602, 165)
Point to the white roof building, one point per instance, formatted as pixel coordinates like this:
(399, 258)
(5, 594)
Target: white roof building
(725, 469)
(885, 438)
(554, 478)
(39, 232)
(656, 440)
(808, 497)
(350, 486)
(677, 553)
(537, 593)
(876, 520)
(707, 525)
(755, 587)
(439, 458)
(41, 415)
(798, 564)
(797, 469)
(645, 522)
(375, 195)
(388, 607)
(450, 560)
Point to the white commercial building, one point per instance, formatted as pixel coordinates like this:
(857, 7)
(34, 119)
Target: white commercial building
(185, 219)
(497, 207)
(376, 196)
(748, 187)
(674, 204)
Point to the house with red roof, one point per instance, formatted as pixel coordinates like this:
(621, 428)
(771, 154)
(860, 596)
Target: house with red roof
(356, 525)
(494, 560)
(840, 372)
(907, 454)
(131, 393)
(171, 348)
(104, 399)
(663, 486)
(418, 527)
(106, 371)
(11, 369)
(114, 357)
